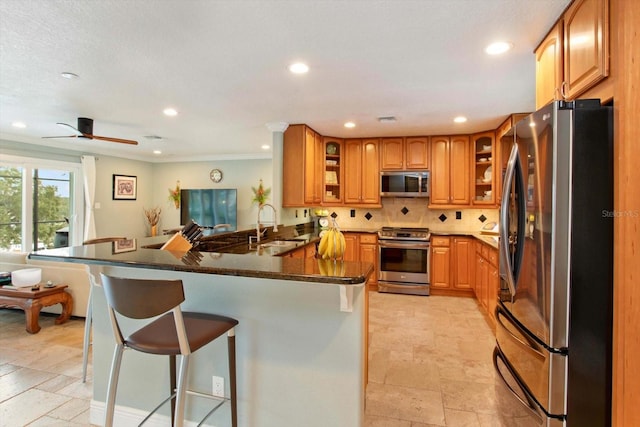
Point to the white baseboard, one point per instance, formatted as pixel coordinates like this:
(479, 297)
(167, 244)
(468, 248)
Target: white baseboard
(126, 417)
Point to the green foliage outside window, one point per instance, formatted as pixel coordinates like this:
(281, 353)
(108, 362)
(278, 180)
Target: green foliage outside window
(51, 208)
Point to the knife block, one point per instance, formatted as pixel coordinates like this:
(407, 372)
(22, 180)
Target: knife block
(177, 243)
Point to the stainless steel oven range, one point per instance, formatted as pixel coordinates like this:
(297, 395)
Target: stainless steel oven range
(404, 260)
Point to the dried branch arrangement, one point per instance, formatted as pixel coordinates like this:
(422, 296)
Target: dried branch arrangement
(153, 215)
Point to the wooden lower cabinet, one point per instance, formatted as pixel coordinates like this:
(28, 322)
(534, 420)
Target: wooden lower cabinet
(465, 266)
(487, 282)
(440, 264)
(463, 262)
(452, 268)
(363, 247)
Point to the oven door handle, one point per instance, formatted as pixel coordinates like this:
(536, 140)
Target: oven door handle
(404, 245)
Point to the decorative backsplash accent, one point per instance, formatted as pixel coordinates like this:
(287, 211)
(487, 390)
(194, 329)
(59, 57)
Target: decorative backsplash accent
(410, 212)
(482, 218)
(442, 217)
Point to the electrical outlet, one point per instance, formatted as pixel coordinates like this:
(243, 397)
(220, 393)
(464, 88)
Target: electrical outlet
(218, 386)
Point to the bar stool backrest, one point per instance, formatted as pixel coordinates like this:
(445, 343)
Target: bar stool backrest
(103, 240)
(142, 299)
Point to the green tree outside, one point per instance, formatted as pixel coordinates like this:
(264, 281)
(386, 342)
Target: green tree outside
(51, 209)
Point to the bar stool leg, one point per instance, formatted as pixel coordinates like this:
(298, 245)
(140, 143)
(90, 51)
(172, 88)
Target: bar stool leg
(181, 391)
(231, 342)
(87, 333)
(172, 386)
(113, 384)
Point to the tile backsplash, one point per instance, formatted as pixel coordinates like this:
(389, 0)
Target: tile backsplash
(413, 212)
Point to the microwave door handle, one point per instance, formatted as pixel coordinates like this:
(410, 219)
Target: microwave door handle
(505, 260)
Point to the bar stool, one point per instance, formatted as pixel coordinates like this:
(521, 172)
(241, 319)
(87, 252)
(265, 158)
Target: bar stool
(173, 333)
(88, 320)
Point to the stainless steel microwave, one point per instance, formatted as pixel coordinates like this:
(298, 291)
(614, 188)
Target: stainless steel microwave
(404, 184)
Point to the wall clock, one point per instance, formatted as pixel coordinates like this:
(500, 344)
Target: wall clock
(215, 175)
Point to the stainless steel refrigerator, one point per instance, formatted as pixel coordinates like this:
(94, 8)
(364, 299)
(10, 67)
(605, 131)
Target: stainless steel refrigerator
(554, 314)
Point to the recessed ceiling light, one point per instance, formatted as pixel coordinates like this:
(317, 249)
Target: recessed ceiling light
(170, 112)
(498, 47)
(266, 147)
(299, 68)
(19, 125)
(350, 125)
(157, 152)
(70, 76)
(460, 119)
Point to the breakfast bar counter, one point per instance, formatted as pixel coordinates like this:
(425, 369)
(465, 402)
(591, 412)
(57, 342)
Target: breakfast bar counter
(300, 341)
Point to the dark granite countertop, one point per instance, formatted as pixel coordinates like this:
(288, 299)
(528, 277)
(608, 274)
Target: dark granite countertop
(260, 261)
(490, 239)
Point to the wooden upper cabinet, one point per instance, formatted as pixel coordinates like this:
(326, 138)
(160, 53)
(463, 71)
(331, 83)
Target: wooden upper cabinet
(404, 153)
(417, 152)
(392, 154)
(361, 172)
(504, 142)
(549, 67)
(301, 184)
(459, 172)
(574, 56)
(450, 164)
(312, 181)
(586, 45)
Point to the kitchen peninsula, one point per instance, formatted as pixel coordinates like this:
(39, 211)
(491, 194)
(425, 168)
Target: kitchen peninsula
(300, 342)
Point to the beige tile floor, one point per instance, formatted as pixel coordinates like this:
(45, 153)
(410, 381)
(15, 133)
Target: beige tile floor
(430, 365)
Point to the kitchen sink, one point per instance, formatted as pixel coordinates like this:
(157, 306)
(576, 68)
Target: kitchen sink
(279, 243)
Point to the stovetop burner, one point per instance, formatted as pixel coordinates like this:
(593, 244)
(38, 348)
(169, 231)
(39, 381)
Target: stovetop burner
(404, 233)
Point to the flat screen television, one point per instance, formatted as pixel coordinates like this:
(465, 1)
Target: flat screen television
(209, 207)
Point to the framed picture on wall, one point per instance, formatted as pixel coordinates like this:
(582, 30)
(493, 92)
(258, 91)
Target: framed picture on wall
(125, 187)
(126, 245)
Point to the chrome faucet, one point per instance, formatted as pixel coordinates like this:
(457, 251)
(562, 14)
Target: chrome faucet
(275, 220)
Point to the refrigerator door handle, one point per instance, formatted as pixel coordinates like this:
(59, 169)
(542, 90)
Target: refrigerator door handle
(506, 271)
(529, 404)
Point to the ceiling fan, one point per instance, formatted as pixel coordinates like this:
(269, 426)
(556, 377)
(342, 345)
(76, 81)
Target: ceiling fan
(85, 130)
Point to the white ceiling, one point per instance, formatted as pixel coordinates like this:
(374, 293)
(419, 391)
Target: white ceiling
(223, 66)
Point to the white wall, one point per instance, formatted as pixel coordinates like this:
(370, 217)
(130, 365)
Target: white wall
(238, 174)
(122, 217)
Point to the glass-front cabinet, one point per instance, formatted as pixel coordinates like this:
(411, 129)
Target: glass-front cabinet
(483, 158)
(333, 188)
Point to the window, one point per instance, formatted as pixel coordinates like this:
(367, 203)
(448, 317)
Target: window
(40, 204)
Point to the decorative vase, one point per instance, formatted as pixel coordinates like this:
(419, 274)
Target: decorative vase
(154, 230)
(177, 203)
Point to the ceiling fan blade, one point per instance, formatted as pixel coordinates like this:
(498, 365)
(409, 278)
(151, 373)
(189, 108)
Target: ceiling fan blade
(61, 136)
(66, 126)
(106, 138)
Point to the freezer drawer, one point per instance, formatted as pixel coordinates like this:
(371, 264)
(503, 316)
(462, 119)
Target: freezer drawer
(541, 370)
(516, 406)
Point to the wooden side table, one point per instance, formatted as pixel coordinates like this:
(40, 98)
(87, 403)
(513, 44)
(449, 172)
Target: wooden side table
(32, 302)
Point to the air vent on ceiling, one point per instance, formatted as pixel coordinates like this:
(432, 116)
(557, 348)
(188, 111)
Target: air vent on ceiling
(387, 119)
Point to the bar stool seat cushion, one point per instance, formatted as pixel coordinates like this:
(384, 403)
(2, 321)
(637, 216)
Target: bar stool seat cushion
(160, 337)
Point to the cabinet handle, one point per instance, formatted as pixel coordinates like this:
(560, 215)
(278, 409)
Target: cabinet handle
(562, 93)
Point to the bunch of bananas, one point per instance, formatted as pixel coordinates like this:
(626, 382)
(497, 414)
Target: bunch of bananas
(330, 267)
(332, 244)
